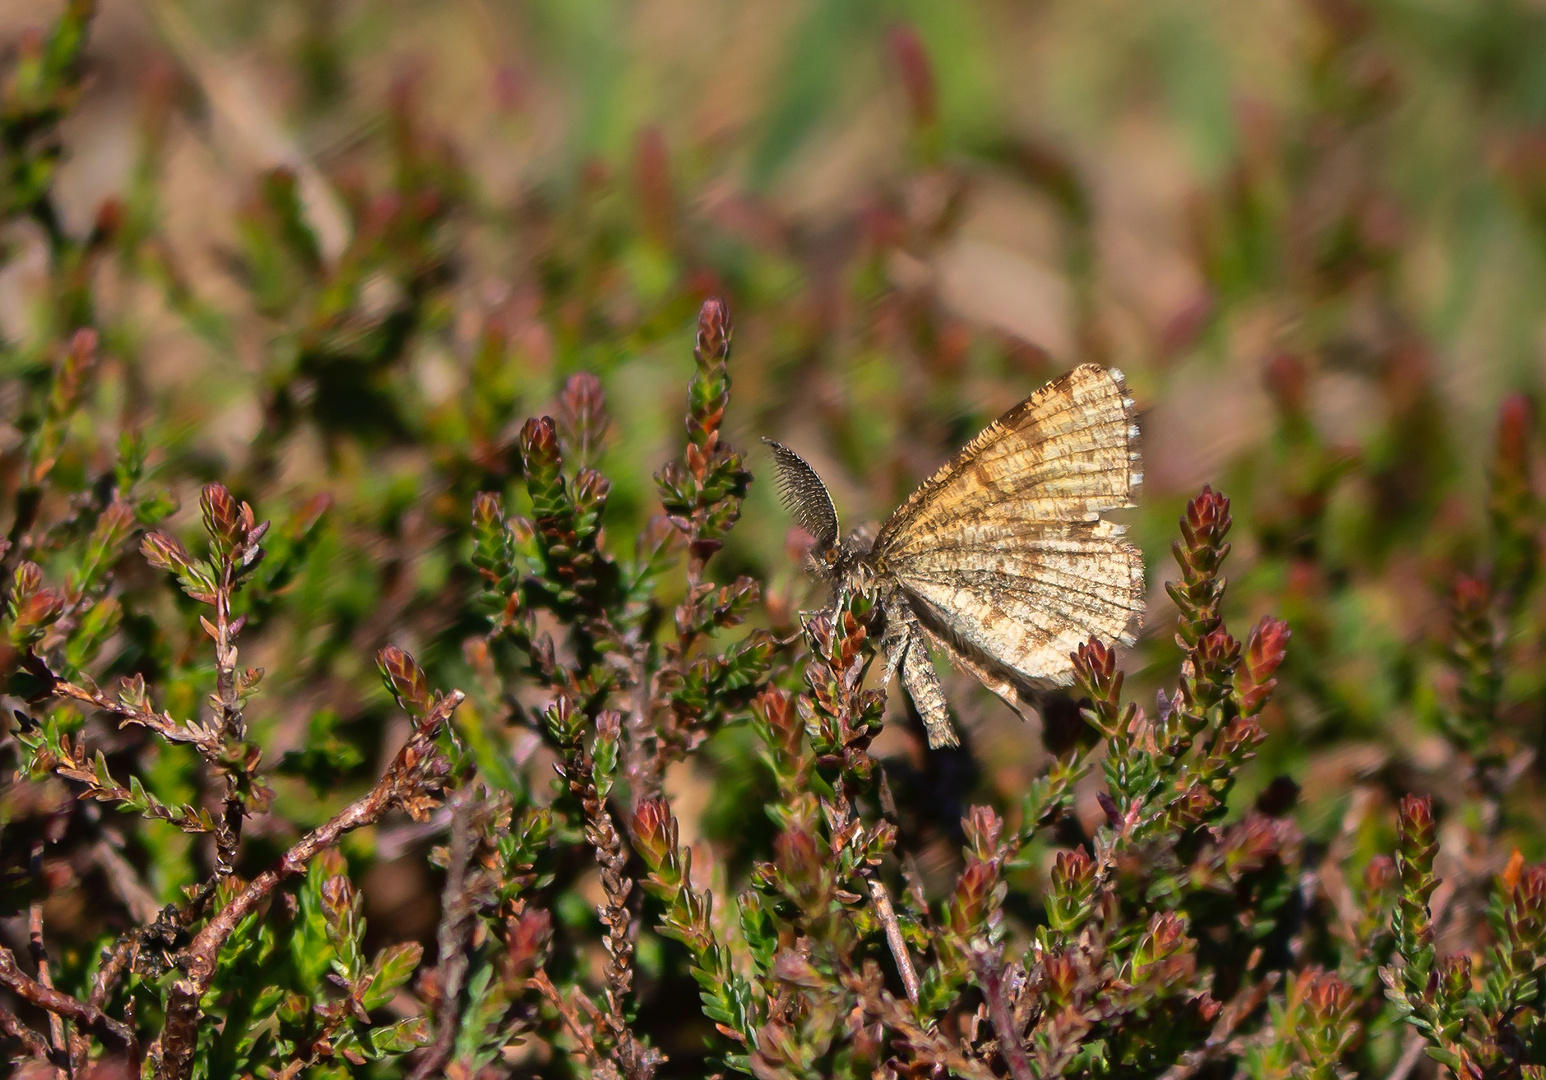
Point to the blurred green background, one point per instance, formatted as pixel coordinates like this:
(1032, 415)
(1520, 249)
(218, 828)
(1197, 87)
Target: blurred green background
(1310, 231)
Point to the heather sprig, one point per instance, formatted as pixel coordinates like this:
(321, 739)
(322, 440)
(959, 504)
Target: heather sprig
(702, 494)
(727, 998)
(1212, 654)
(841, 717)
(1427, 989)
(189, 856)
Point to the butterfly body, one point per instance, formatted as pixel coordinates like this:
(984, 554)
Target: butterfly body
(1002, 559)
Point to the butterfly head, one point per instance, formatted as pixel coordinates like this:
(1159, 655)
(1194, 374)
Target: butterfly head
(842, 564)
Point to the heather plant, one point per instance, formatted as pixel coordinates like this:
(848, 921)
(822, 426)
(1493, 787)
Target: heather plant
(409, 685)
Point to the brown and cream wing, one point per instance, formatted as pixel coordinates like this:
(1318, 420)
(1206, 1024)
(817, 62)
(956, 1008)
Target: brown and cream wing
(1067, 453)
(1025, 601)
(1003, 549)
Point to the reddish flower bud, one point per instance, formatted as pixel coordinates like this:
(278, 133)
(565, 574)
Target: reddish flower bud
(654, 832)
(713, 330)
(917, 75)
(1206, 520)
(1416, 822)
(582, 417)
(776, 710)
(1095, 670)
(1263, 656)
(983, 827)
(1327, 999)
(1072, 869)
(488, 512)
(165, 552)
(406, 681)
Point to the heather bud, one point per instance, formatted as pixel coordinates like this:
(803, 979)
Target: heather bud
(713, 338)
(165, 552)
(803, 868)
(26, 580)
(1206, 521)
(406, 681)
(229, 523)
(1199, 553)
(916, 73)
(1417, 828)
(564, 722)
(32, 608)
(488, 516)
(1073, 889)
(604, 751)
(1526, 904)
(526, 942)
(778, 722)
(1095, 671)
(582, 418)
(541, 461)
(983, 827)
(1263, 656)
(654, 834)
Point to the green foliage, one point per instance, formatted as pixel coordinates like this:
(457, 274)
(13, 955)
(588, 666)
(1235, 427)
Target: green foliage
(518, 747)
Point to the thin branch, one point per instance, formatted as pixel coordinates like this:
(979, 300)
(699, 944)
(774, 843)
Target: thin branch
(990, 975)
(54, 1002)
(117, 961)
(898, 944)
(1411, 1054)
(200, 959)
(587, 1046)
(228, 704)
(30, 1040)
(635, 1061)
(58, 1040)
(630, 1056)
(205, 739)
(455, 924)
(1239, 1007)
(925, 1041)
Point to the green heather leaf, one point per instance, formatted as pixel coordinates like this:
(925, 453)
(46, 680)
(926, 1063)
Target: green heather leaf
(392, 967)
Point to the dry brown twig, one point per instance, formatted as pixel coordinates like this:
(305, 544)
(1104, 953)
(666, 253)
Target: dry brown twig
(455, 926)
(40, 962)
(31, 1041)
(894, 939)
(396, 788)
(632, 1058)
(63, 1005)
(586, 1046)
(927, 1044)
(989, 965)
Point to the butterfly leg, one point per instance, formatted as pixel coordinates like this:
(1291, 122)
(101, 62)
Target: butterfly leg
(893, 646)
(907, 646)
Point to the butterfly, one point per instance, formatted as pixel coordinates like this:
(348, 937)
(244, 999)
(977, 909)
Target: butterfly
(1001, 560)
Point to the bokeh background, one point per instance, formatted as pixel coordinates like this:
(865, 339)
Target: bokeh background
(344, 249)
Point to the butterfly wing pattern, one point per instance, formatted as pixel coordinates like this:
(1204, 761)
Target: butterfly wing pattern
(1003, 555)
(1001, 560)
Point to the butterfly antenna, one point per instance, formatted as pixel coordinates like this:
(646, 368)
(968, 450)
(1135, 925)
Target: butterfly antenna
(804, 495)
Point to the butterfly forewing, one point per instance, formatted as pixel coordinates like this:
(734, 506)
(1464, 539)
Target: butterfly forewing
(1066, 453)
(1003, 551)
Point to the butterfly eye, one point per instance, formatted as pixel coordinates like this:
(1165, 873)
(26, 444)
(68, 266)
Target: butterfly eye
(830, 555)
